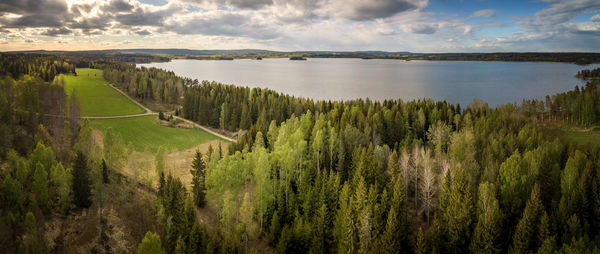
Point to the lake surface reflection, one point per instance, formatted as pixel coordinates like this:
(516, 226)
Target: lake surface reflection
(378, 79)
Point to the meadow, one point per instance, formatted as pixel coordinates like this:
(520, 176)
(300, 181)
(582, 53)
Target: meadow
(95, 96)
(147, 135)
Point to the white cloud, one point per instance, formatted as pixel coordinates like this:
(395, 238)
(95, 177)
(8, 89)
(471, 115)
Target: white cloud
(486, 13)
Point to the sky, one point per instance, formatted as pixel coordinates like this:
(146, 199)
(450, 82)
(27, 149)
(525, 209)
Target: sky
(425, 26)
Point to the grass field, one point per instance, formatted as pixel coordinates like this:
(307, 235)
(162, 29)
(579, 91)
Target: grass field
(147, 135)
(95, 97)
(577, 136)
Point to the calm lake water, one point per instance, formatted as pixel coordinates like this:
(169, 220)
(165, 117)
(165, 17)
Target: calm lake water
(377, 79)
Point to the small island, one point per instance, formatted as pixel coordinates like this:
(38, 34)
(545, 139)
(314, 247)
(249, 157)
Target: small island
(297, 58)
(588, 74)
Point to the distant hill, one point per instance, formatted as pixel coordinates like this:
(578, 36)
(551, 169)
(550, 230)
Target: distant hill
(193, 52)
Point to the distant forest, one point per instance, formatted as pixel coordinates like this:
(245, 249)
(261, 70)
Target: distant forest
(164, 55)
(308, 176)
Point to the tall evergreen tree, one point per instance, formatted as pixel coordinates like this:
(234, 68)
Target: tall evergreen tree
(487, 231)
(198, 174)
(81, 181)
(104, 172)
(394, 237)
(525, 238)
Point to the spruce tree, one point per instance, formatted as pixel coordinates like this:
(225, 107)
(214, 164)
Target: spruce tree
(104, 172)
(81, 181)
(486, 235)
(394, 236)
(526, 233)
(198, 187)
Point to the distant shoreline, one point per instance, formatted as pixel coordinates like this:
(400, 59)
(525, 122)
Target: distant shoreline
(397, 59)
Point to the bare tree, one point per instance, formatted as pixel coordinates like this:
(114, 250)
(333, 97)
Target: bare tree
(415, 172)
(428, 183)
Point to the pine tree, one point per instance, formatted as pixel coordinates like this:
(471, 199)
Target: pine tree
(81, 181)
(198, 174)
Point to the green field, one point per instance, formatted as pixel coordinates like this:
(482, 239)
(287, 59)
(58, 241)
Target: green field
(96, 97)
(147, 135)
(578, 137)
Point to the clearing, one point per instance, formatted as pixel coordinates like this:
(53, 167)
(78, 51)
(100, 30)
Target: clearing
(96, 97)
(577, 136)
(147, 135)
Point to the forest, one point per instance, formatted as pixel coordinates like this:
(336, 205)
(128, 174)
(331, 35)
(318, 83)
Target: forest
(308, 176)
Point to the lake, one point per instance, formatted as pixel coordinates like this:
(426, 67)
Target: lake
(379, 79)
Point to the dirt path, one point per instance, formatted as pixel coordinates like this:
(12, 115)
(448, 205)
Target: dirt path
(150, 112)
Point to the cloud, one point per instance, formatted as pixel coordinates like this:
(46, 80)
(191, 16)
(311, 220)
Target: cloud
(421, 28)
(223, 23)
(33, 13)
(116, 6)
(485, 13)
(57, 31)
(360, 10)
(143, 32)
(559, 12)
(239, 4)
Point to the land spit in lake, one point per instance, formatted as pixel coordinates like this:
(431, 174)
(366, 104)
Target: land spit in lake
(380, 79)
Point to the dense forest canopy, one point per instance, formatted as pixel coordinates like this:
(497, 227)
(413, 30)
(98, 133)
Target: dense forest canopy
(310, 176)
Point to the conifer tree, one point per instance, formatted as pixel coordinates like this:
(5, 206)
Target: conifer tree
(105, 179)
(81, 181)
(198, 183)
(394, 236)
(525, 238)
(487, 231)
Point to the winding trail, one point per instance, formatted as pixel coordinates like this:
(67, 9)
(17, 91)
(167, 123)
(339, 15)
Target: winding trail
(152, 113)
